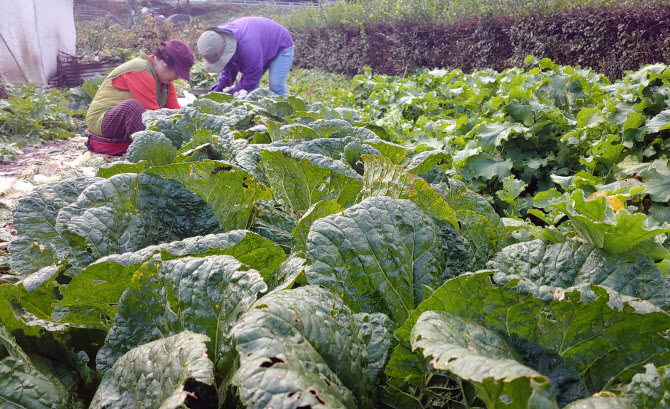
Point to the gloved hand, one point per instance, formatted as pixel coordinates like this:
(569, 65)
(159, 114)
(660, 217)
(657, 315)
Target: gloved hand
(221, 84)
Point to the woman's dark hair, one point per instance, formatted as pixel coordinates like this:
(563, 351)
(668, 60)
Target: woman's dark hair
(162, 54)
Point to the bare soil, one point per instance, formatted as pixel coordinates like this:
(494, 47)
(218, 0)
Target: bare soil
(51, 162)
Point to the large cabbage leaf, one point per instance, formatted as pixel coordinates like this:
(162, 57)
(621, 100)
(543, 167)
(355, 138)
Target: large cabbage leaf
(29, 304)
(92, 297)
(273, 221)
(594, 330)
(22, 385)
(114, 168)
(378, 255)
(151, 146)
(650, 389)
(303, 347)
(376, 328)
(301, 179)
(204, 295)
(289, 132)
(218, 147)
(479, 222)
(384, 178)
(154, 375)
(348, 149)
(231, 192)
(128, 212)
(572, 263)
(413, 161)
(181, 127)
(315, 212)
(481, 357)
(35, 219)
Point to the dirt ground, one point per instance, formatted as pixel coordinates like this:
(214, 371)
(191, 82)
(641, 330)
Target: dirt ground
(50, 162)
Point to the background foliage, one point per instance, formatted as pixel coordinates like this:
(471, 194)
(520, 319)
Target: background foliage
(608, 40)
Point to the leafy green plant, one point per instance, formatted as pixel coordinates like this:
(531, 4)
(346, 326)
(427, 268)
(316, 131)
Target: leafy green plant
(201, 79)
(82, 96)
(32, 114)
(266, 251)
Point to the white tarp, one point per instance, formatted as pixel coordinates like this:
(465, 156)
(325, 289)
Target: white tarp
(31, 34)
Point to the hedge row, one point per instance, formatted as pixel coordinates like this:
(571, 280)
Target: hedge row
(609, 40)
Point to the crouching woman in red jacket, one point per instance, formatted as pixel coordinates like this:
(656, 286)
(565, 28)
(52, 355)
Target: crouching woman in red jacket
(142, 83)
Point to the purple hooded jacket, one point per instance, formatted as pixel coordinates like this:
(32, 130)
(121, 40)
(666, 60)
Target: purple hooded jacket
(259, 40)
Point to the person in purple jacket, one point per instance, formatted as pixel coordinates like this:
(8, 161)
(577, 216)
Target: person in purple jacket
(251, 46)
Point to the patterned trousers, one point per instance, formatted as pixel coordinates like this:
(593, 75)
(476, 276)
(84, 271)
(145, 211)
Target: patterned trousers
(122, 121)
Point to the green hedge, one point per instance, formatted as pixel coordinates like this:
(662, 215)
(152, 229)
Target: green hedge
(609, 40)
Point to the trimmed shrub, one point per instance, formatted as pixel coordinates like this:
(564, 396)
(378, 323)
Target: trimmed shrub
(608, 40)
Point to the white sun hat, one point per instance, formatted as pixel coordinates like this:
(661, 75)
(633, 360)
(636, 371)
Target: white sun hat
(217, 47)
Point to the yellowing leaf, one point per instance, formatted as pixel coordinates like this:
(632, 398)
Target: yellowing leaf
(596, 195)
(613, 202)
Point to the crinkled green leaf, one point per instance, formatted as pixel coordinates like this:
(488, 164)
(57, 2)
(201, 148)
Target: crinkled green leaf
(649, 389)
(423, 162)
(456, 251)
(222, 147)
(249, 159)
(9, 302)
(37, 291)
(523, 113)
(152, 147)
(22, 385)
(657, 181)
(479, 222)
(302, 347)
(376, 327)
(274, 107)
(318, 210)
(333, 148)
(394, 152)
(348, 149)
(659, 122)
(34, 220)
(492, 135)
(564, 265)
(301, 179)
(180, 128)
(231, 192)
(128, 212)
(275, 223)
(377, 255)
(290, 273)
(595, 330)
(291, 132)
(33, 317)
(153, 375)
(99, 286)
(115, 168)
(204, 295)
(590, 117)
(383, 178)
(488, 167)
(480, 356)
(411, 382)
(332, 128)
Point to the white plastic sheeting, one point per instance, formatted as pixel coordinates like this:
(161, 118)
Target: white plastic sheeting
(31, 34)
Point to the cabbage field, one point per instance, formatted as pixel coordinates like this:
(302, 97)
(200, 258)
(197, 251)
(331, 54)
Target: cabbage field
(446, 240)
